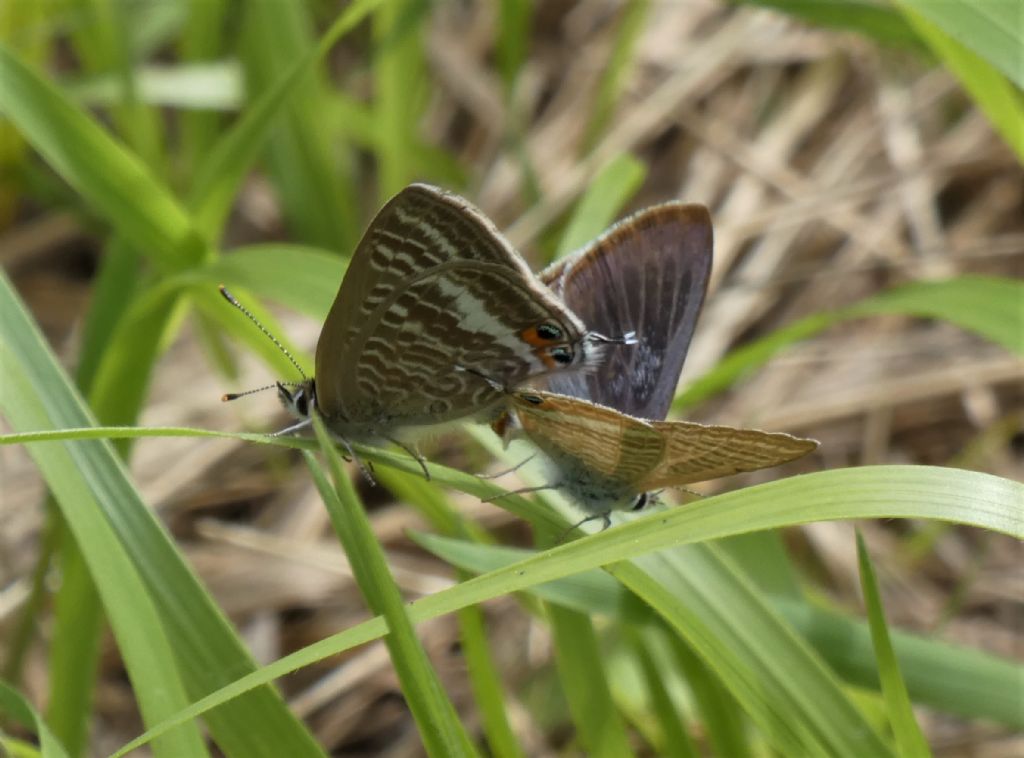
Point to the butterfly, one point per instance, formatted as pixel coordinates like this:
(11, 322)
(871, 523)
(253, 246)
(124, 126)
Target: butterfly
(432, 291)
(603, 430)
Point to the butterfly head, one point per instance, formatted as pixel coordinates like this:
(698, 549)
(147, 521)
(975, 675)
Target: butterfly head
(555, 349)
(298, 399)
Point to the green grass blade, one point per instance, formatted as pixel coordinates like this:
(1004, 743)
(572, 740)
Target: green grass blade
(720, 713)
(989, 306)
(142, 638)
(993, 93)
(197, 72)
(486, 683)
(310, 167)
(439, 725)
(305, 279)
(910, 741)
(633, 15)
(113, 182)
(112, 293)
(207, 650)
(599, 728)
(675, 737)
(514, 18)
(78, 624)
(954, 679)
(611, 189)
(399, 84)
(779, 682)
(230, 159)
(875, 20)
(958, 680)
(15, 707)
(992, 29)
(953, 495)
(105, 43)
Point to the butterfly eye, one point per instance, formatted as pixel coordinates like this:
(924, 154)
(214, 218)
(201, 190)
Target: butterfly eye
(561, 355)
(301, 403)
(549, 332)
(641, 501)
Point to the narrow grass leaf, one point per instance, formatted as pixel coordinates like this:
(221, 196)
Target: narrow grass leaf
(398, 68)
(486, 683)
(966, 497)
(15, 707)
(910, 742)
(720, 714)
(305, 279)
(439, 725)
(208, 652)
(611, 189)
(996, 96)
(875, 20)
(310, 167)
(142, 638)
(796, 702)
(992, 29)
(113, 182)
(631, 22)
(78, 626)
(599, 728)
(513, 28)
(986, 305)
(675, 737)
(229, 160)
(950, 678)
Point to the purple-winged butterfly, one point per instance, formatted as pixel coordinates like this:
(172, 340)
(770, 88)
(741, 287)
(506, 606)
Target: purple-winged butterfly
(603, 430)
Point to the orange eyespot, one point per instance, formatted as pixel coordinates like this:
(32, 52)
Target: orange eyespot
(541, 335)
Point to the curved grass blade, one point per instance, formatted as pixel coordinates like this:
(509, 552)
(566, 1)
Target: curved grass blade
(233, 155)
(207, 652)
(439, 725)
(986, 305)
(112, 180)
(910, 741)
(14, 706)
(966, 497)
(992, 92)
(70, 471)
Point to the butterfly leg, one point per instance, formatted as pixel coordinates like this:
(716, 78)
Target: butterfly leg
(507, 471)
(412, 451)
(293, 428)
(605, 518)
(522, 491)
(365, 467)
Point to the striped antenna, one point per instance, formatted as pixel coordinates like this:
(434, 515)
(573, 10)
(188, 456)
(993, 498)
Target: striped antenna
(231, 299)
(229, 396)
(235, 395)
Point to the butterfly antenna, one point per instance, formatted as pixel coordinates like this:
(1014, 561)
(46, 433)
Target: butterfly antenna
(229, 396)
(234, 301)
(629, 338)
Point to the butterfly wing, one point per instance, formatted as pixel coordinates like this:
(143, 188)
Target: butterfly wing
(577, 434)
(434, 285)
(647, 274)
(695, 452)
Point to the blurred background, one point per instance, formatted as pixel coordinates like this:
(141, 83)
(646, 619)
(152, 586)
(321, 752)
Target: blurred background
(839, 156)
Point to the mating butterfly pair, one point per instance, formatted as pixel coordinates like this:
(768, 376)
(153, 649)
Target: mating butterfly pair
(438, 318)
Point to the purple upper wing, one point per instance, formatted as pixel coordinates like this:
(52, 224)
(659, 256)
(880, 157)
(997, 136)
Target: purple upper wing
(647, 274)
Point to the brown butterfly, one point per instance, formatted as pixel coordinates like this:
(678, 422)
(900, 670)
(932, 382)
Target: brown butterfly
(432, 285)
(605, 460)
(647, 274)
